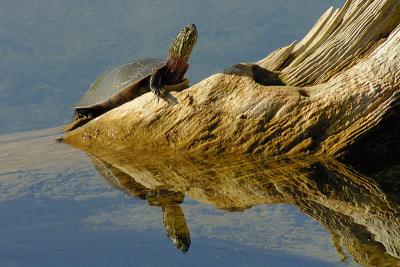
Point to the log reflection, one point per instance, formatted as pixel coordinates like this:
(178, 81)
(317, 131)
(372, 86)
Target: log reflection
(361, 214)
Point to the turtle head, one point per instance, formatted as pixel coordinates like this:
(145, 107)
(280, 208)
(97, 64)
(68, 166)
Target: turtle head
(183, 44)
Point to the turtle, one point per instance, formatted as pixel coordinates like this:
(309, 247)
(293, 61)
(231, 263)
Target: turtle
(129, 81)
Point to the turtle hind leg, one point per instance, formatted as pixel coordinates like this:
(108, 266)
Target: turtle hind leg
(76, 123)
(80, 116)
(87, 112)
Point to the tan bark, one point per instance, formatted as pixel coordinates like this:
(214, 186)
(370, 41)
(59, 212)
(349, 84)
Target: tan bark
(339, 82)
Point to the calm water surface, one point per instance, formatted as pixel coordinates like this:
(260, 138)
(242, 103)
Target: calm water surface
(52, 50)
(63, 207)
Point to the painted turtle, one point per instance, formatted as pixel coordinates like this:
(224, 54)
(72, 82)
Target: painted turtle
(126, 82)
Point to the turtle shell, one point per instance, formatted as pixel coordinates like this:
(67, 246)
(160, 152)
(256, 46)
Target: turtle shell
(119, 78)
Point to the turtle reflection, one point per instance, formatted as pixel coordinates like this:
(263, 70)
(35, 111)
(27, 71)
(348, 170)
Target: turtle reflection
(173, 217)
(360, 212)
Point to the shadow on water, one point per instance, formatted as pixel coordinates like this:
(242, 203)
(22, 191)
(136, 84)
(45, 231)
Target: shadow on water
(361, 213)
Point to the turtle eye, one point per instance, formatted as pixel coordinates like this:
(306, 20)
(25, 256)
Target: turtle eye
(189, 28)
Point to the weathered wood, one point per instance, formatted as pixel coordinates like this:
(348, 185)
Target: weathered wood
(340, 82)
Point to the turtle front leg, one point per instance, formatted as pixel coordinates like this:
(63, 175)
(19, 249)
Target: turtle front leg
(157, 84)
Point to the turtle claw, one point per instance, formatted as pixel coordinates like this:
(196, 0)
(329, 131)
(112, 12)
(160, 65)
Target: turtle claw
(157, 86)
(160, 93)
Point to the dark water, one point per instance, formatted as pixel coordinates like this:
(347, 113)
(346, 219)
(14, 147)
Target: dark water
(62, 207)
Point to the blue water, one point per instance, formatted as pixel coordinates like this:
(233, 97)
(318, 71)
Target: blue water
(56, 212)
(62, 207)
(50, 232)
(52, 50)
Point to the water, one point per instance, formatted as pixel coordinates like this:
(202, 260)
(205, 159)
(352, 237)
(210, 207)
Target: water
(52, 50)
(63, 207)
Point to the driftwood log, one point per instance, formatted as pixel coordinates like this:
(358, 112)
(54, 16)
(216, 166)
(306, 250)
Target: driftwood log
(322, 95)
